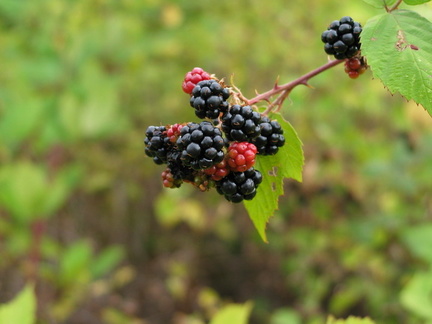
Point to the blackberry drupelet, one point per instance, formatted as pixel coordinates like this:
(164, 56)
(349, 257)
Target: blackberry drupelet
(271, 137)
(157, 144)
(241, 123)
(200, 145)
(342, 38)
(239, 186)
(209, 98)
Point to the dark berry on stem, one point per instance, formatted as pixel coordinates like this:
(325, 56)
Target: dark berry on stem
(200, 145)
(241, 123)
(271, 138)
(157, 143)
(239, 186)
(342, 38)
(209, 99)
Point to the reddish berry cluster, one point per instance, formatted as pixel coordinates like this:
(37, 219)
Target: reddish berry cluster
(173, 132)
(355, 66)
(219, 151)
(241, 156)
(193, 77)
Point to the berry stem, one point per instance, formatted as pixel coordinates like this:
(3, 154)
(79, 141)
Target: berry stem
(286, 88)
(394, 7)
(37, 232)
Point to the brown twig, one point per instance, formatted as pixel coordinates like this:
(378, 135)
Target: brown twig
(394, 7)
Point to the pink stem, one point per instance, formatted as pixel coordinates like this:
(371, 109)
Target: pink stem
(287, 87)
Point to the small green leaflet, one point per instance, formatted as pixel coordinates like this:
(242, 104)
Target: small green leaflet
(415, 2)
(233, 313)
(21, 309)
(398, 49)
(380, 3)
(416, 296)
(287, 163)
(350, 320)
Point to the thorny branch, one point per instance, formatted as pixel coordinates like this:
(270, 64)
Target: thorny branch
(285, 89)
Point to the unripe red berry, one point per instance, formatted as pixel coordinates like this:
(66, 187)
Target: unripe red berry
(353, 74)
(173, 132)
(218, 171)
(193, 77)
(241, 156)
(354, 63)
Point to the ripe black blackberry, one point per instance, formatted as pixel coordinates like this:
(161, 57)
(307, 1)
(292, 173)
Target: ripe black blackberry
(342, 38)
(157, 144)
(200, 145)
(209, 98)
(241, 124)
(178, 169)
(271, 137)
(239, 186)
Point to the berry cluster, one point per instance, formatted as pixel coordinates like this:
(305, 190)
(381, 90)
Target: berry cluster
(219, 151)
(342, 38)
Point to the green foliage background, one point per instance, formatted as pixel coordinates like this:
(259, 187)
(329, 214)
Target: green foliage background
(83, 212)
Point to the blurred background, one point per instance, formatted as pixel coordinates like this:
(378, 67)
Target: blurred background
(83, 211)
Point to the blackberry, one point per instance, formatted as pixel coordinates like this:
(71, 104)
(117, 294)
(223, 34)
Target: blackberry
(241, 123)
(157, 143)
(200, 145)
(239, 186)
(342, 38)
(178, 170)
(209, 98)
(271, 137)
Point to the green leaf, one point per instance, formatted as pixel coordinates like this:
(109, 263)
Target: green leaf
(398, 49)
(18, 121)
(60, 188)
(417, 294)
(285, 315)
(27, 192)
(350, 320)
(22, 309)
(287, 163)
(22, 190)
(419, 240)
(415, 2)
(380, 3)
(106, 261)
(75, 261)
(233, 313)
